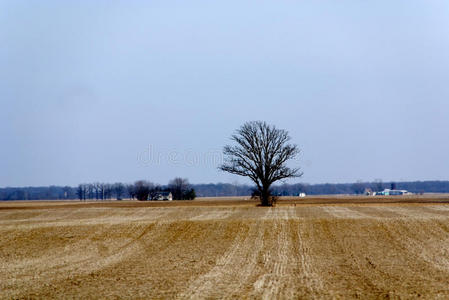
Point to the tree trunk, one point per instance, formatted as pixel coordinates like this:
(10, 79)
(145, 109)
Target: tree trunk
(265, 197)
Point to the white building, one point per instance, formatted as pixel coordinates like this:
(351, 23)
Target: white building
(388, 192)
(164, 196)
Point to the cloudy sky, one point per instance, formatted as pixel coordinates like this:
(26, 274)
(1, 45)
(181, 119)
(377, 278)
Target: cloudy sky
(126, 90)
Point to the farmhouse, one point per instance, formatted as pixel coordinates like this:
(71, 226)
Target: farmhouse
(164, 196)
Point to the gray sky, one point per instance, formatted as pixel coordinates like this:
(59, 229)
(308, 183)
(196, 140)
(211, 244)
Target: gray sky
(125, 90)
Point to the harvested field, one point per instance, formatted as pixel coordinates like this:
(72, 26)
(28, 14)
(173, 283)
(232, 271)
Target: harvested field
(225, 249)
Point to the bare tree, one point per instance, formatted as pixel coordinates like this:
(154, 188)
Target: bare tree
(179, 187)
(90, 190)
(82, 191)
(107, 190)
(99, 191)
(142, 189)
(119, 189)
(103, 192)
(130, 189)
(96, 188)
(261, 154)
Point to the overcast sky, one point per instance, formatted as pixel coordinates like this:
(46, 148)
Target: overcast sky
(125, 90)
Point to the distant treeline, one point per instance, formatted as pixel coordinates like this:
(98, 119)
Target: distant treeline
(224, 189)
(180, 188)
(103, 191)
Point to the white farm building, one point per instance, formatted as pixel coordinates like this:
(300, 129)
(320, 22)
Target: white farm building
(163, 196)
(388, 192)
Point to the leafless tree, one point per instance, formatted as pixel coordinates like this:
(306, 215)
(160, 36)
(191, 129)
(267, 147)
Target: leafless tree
(261, 153)
(179, 187)
(82, 191)
(119, 189)
(107, 191)
(96, 188)
(130, 189)
(90, 190)
(100, 191)
(104, 191)
(142, 189)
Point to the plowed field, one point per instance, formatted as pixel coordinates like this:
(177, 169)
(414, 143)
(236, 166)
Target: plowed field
(230, 249)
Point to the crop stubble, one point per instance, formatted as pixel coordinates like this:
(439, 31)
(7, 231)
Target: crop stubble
(226, 251)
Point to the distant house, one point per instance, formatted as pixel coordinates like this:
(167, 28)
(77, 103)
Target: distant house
(388, 192)
(164, 196)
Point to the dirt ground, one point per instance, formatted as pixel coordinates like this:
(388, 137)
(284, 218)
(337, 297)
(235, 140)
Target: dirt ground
(226, 248)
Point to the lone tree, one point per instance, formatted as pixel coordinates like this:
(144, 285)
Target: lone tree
(261, 153)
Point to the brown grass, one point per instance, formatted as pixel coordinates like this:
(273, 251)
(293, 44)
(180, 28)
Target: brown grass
(226, 249)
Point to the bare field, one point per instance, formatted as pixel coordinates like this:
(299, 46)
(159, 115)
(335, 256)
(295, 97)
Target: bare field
(227, 248)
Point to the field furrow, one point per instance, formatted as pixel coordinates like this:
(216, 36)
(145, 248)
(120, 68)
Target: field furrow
(207, 252)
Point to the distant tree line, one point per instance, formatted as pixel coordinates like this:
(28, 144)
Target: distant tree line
(38, 193)
(359, 187)
(146, 190)
(181, 189)
(140, 190)
(100, 191)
